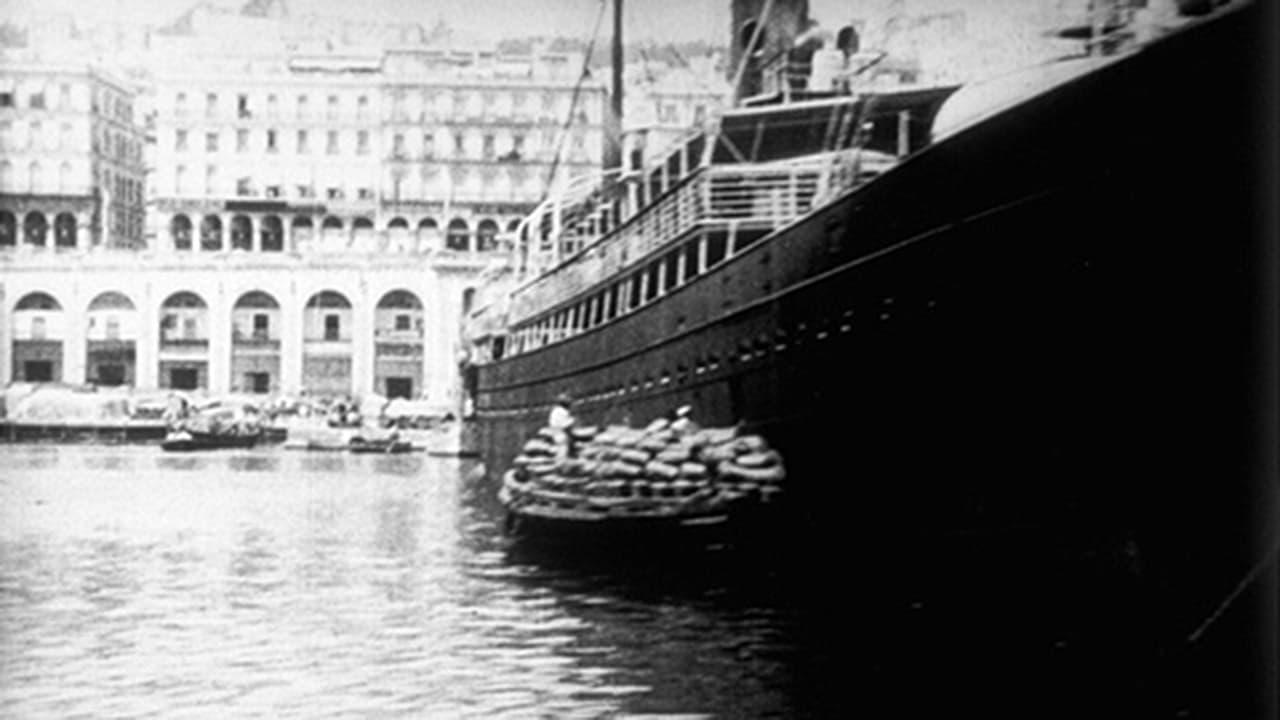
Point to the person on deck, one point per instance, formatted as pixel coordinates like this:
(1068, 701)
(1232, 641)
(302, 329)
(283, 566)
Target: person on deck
(561, 417)
(683, 423)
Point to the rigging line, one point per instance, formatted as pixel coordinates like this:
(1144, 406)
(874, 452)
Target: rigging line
(1267, 558)
(573, 102)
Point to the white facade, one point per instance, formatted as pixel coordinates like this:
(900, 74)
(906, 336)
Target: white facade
(71, 146)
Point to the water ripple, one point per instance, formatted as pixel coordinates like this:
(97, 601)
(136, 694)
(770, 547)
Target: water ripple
(272, 584)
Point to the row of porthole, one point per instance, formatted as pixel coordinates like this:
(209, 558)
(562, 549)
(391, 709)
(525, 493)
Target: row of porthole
(641, 287)
(746, 351)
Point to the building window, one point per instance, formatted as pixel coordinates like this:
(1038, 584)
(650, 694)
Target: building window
(397, 145)
(306, 191)
(302, 142)
(458, 145)
(273, 191)
(331, 146)
(404, 322)
(180, 140)
(211, 142)
(428, 146)
(271, 142)
(242, 107)
(302, 107)
(332, 113)
(362, 108)
(332, 326)
(244, 187)
(242, 140)
(37, 101)
(211, 105)
(362, 142)
(6, 99)
(272, 107)
(211, 179)
(334, 193)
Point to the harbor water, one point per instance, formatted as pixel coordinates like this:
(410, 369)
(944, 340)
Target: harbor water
(283, 584)
(274, 583)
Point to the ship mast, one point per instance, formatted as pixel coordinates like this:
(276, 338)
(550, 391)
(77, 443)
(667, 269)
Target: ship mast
(613, 140)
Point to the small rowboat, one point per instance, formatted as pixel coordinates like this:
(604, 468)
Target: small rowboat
(187, 440)
(385, 446)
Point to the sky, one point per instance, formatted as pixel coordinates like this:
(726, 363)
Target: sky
(662, 20)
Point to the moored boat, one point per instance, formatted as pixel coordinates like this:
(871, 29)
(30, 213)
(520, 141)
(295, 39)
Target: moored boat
(669, 484)
(182, 440)
(389, 445)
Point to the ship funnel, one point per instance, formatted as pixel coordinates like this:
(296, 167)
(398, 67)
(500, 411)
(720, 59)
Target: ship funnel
(762, 33)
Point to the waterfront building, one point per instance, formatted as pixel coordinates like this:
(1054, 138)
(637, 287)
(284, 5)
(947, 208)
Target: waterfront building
(71, 145)
(319, 207)
(665, 103)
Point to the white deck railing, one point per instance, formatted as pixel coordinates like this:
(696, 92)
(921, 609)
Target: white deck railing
(730, 197)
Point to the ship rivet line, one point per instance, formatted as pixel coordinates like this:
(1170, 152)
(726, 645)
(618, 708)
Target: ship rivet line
(797, 287)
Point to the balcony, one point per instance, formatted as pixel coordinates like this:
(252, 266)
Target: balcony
(255, 341)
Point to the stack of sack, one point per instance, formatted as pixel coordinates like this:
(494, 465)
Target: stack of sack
(659, 468)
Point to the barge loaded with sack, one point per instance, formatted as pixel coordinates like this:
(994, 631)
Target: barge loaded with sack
(669, 483)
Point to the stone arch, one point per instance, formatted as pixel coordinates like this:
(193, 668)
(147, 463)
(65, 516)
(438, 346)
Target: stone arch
(302, 228)
(37, 300)
(180, 232)
(241, 233)
(184, 299)
(362, 234)
(400, 298)
(271, 234)
(111, 340)
(428, 234)
(8, 229)
(326, 317)
(487, 235)
(37, 330)
(64, 230)
(255, 318)
(111, 300)
(399, 328)
(257, 299)
(332, 233)
(458, 236)
(211, 233)
(328, 299)
(184, 325)
(35, 228)
(398, 238)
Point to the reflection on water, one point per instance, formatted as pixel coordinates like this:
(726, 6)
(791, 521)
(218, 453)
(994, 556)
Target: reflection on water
(270, 583)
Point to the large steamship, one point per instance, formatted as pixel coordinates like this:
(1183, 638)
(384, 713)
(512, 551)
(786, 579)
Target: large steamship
(1027, 306)
(975, 304)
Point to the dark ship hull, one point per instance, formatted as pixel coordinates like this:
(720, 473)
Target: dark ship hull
(1046, 326)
